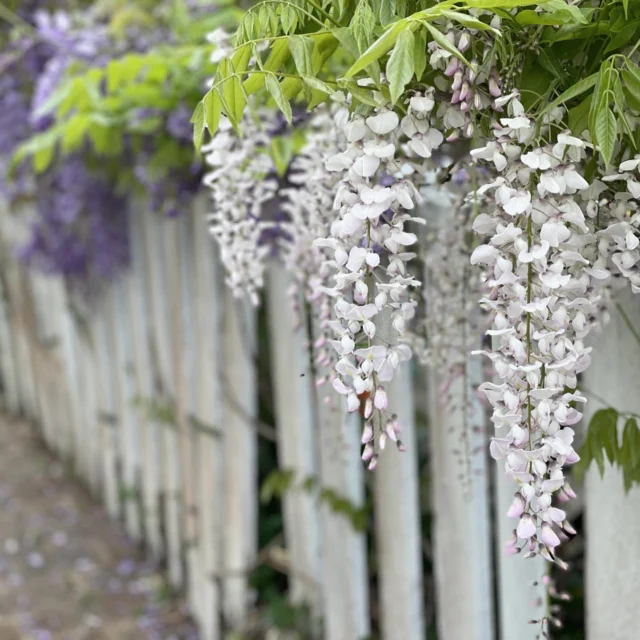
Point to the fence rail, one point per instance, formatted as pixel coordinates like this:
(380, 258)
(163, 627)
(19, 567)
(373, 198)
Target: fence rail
(152, 394)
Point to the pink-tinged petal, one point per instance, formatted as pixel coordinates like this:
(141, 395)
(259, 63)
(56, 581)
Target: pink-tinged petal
(526, 528)
(517, 507)
(367, 433)
(511, 549)
(548, 536)
(340, 387)
(557, 515)
(368, 452)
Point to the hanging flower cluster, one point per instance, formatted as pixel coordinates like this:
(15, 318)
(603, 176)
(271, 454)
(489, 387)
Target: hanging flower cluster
(545, 272)
(620, 241)
(241, 186)
(374, 290)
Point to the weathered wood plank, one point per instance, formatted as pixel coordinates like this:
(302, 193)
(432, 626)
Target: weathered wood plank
(296, 427)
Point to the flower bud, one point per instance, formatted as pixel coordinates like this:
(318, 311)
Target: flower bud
(380, 400)
(368, 408)
(368, 452)
(367, 433)
(369, 328)
(452, 67)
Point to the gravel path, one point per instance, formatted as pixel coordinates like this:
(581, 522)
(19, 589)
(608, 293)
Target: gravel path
(66, 571)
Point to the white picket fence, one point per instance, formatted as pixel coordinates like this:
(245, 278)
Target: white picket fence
(152, 395)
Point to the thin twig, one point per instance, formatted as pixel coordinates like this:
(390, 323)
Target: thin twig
(628, 322)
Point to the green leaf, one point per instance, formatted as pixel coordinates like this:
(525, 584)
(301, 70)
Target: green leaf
(420, 53)
(362, 25)
(551, 64)
(468, 21)
(606, 133)
(634, 70)
(344, 36)
(318, 85)
(74, 132)
(198, 126)
(400, 66)
(630, 455)
(291, 87)
(623, 38)
(631, 89)
(275, 484)
(560, 6)
(443, 41)
(232, 94)
(578, 117)
(282, 152)
(573, 92)
(277, 57)
(274, 88)
(42, 158)
(383, 44)
(288, 19)
(241, 57)
(324, 46)
(556, 18)
(301, 48)
(501, 4)
(362, 94)
(212, 110)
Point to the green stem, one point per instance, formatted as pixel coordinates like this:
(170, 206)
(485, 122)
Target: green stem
(628, 322)
(321, 11)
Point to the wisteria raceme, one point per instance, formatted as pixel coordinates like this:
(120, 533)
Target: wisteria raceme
(80, 229)
(545, 271)
(373, 285)
(241, 187)
(620, 240)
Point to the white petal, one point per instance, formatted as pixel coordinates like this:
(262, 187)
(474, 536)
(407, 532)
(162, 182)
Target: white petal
(383, 123)
(484, 254)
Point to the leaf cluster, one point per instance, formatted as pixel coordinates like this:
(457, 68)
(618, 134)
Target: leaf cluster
(620, 446)
(280, 481)
(108, 110)
(558, 53)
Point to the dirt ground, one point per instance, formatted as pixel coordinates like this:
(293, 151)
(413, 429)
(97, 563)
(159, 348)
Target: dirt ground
(67, 572)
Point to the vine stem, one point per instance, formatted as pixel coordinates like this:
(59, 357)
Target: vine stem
(321, 11)
(628, 322)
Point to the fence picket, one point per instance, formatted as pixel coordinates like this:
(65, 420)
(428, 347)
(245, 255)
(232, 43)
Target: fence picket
(150, 430)
(461, 504)
(209, 413)
(397, 518)
(129, 434)
(186, 385)
(237, 371)
(7, 350)
(345, 586)
(295, 417)
(612, 516)
(157, 266)
(107, 401)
